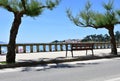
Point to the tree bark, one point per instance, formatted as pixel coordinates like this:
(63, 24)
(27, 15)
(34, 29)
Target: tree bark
(11, 54)
(113, 41)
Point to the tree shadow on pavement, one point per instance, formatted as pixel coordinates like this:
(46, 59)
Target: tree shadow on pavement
(44, 67)
(57, 66)
(58, 63)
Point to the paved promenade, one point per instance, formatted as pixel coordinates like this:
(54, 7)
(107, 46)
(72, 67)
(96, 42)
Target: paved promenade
(51, 55)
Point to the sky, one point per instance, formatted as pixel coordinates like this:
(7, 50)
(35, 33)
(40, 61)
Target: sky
(52, 25)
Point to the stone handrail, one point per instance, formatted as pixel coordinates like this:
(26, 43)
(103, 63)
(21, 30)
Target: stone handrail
(48, 47)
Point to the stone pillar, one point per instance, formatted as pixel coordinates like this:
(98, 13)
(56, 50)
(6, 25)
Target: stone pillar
(37, 48)
(50, 48)
(61, 47)
(44, 48)
(24, 48)
(0, 49)
(56, 47)
(31, 48)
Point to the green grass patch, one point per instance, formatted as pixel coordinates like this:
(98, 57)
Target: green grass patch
(3, 62)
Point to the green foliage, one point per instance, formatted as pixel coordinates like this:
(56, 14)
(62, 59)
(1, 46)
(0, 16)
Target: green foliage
(99, 19)
(30, 8)
(15, 5)
(74, 19)
(88, 6)
(52, 4)
(11, 5)
(3, 2)
(107, 20)
(19, 8)
(109, 5)
(33, 8)
(118, 12)
(90, 18)
(101, 37)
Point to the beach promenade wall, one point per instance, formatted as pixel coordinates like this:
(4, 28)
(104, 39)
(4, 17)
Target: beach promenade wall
(48, 47)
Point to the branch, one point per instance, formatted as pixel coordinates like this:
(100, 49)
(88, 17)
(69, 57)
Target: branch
(118, 22)
(7, 7)
(80, 24)
(42, 7)
(50, 4)
(23, 3)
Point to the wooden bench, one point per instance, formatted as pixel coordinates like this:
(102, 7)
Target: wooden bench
(80, 46)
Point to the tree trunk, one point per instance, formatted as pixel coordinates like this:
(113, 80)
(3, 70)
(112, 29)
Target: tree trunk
(113, 41)
(11, 54)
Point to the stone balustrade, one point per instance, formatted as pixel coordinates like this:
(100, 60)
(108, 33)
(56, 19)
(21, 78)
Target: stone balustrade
(48, 47)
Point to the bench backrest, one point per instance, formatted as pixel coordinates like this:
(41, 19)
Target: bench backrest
(82, 46)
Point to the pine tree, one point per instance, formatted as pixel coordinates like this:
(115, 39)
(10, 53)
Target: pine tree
(90, 18)
(20, 8)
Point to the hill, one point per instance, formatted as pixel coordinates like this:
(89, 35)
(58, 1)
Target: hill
(1, 42)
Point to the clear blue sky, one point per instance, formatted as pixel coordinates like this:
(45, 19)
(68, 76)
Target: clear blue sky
(51, 25)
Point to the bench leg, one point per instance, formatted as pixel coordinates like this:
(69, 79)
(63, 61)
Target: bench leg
(66, 53)
(72, 53)
(86, 52)
(92, 53)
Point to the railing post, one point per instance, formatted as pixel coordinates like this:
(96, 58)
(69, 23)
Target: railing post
(50, 48)
(0, 49)
(31, 48)
(61, 47)
(24, 48)
(104, 46)
(66, 46)
(96, 45)
(37, 48)
(56, 47)
(44, 47)
(101, 45)
(109, 45)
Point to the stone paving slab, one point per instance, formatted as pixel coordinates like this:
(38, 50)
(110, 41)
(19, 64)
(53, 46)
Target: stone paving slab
(51, 55)
(31, 59)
